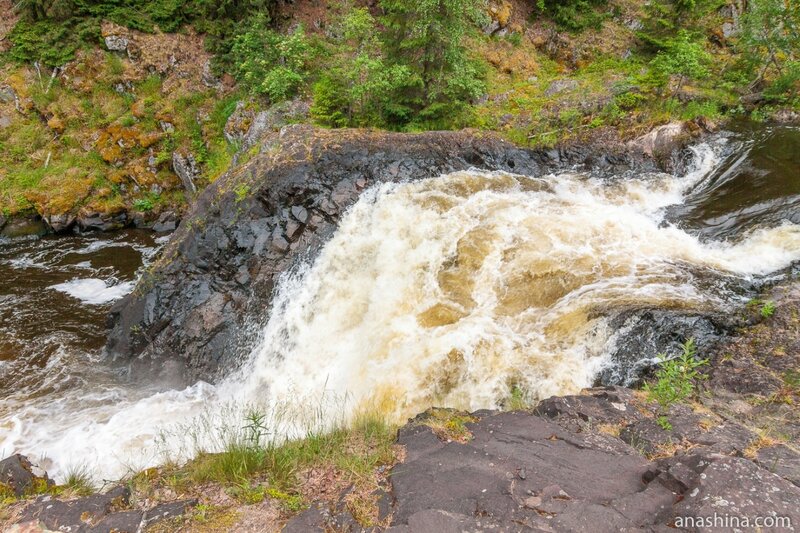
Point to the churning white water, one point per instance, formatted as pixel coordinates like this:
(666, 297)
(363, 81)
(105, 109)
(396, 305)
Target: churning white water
(448, 291)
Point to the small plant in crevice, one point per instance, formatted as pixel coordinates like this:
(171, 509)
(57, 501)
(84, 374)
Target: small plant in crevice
(767, 309)
(241, 192)
(518, 400)
(78, 481)
(676, 380)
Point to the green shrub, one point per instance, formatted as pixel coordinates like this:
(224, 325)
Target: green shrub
(269, 63)
(676, 379)
(426, 39)
(52, 30)
(682, 57)
(574, 15)
(768, 309)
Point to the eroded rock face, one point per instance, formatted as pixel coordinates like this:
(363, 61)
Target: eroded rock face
(219, 270)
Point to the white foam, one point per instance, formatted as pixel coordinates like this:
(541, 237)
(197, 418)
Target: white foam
(446, 291)
(94, 291)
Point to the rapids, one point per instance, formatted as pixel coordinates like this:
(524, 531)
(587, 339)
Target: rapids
(448, 291)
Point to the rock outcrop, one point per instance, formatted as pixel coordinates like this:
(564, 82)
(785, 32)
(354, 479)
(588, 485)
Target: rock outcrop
(590, 462)
(18, 477)
(220, 267)
(109, 512)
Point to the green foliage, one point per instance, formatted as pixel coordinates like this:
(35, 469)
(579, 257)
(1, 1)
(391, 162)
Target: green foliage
(51, 43)
(269, 63)
(78, 481)
(676, 379)
(769, 42)
(664, 422)
(291, 502)
(574, 15)
(426, 37)
(518, 400)
(682, 57)
(360, 87)
(52, 30)
(148, 203)
(768, 309)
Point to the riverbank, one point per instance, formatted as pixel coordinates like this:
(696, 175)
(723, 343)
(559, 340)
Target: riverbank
(486, 470)
(121, 123)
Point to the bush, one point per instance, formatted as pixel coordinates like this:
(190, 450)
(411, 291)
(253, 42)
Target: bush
(574, 15)
(269, 63)
(681, 57)
(676, 379)
(360, 87)
(52, 30)
(426, 39)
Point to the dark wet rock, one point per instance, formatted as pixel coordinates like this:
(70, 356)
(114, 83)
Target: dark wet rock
(122, 522)
(80, 515)
(480, 479)
(19, 475)
(689, 429)
(522, 472)
(110, 512)
(92, 221)
(780, 460)
(23, 227)
(312, 520)
(166, 222)
(3, 221)
(744, 376)
(645, 334)
(736, 487)
(306, 176)
(440, 522)
(61, 222)
(321, 518)
(612, 406)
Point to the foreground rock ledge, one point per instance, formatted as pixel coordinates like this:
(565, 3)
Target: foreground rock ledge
(187, 314)
(594, 462)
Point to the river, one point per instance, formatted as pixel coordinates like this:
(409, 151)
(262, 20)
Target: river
(447, 291)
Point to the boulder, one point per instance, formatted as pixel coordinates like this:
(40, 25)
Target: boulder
(648, 333)
(18, 475)
(61, 222)
(560, 86)
(781, 460)
(116, 43)
(186, 168)
(110, 512)
(523, 472)
(7, 94)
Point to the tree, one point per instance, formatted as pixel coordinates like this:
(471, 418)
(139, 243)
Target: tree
(426, 37)
(268, 62)
(681, 57)
(770, 40)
